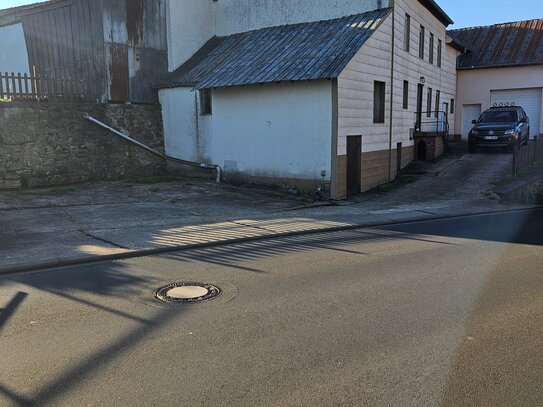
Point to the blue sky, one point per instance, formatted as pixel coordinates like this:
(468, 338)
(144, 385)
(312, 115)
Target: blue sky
(465, 13)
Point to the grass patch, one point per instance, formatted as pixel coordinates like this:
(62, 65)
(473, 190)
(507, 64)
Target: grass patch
(535, 167)
(161, 179)
(155, 189)
(398, 183)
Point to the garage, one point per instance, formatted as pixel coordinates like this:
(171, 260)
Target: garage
(529, 99)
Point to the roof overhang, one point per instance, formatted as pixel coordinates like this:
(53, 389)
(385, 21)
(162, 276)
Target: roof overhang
(437, 11)
(13, 15)
(521, 65)
(454, 43)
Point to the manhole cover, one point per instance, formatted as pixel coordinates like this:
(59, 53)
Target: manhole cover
(185, 292)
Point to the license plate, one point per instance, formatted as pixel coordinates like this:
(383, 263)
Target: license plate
(491, 137)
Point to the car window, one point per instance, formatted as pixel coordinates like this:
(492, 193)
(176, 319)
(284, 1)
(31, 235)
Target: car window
(497, 116)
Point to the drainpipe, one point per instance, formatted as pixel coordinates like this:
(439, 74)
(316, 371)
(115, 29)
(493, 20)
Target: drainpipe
(391, 89)
(153, 151)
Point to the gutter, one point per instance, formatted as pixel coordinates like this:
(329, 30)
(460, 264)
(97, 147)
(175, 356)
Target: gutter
(393, 4)
(153, 151)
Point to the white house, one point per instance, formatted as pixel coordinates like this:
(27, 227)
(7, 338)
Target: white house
(300, 92)
(503, 63)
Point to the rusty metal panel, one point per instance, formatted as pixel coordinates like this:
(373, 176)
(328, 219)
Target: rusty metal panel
(114, 15)
(61, 44)
(510, 44)
(146, 66)
(135, 10)
(154, 34)
(117, 72)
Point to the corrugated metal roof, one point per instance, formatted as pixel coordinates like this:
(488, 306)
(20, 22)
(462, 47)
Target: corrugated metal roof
(295, 52)
(509, 44)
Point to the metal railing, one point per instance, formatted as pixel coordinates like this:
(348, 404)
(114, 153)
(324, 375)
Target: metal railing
(432, 122)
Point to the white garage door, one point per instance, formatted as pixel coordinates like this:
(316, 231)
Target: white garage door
(529, 99)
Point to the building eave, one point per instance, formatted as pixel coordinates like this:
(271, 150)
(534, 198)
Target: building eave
(437, 11)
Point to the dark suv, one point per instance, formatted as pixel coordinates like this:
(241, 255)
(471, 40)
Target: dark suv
(500, 127)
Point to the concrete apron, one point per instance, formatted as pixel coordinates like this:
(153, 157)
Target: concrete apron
(249, 231)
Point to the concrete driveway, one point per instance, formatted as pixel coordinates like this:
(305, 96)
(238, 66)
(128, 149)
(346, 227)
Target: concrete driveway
(56, 225)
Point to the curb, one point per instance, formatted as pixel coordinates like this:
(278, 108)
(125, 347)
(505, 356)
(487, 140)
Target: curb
(161, 250)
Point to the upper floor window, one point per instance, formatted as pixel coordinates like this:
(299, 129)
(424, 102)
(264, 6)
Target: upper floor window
(438, 101)
(429, 103)
(407, 33)
(431, 58)
(378, 102)
(439, 52)
(421, 41)
(405, 95)
(205, 102)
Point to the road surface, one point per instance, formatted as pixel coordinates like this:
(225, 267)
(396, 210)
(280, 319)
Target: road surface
(436, 313)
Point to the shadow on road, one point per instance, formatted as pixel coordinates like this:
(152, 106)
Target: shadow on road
(522, 227)
(9, 309)
(233, 255)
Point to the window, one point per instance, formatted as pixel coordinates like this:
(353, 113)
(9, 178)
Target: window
(452, 106)
(429, 103)
(407, 33)
(431, 59)
(405, 95)
(205, 102)
(439, 51)
(378, 102)
(421, 42)
(438, 97)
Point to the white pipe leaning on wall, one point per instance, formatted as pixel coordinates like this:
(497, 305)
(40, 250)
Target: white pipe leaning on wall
(153, 151)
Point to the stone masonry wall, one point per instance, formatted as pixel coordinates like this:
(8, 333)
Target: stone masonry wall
(52, 144)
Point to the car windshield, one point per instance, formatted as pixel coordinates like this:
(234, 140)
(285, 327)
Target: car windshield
(497, 116)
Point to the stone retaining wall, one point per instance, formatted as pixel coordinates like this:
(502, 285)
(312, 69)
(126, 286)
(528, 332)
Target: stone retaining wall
(52, 144)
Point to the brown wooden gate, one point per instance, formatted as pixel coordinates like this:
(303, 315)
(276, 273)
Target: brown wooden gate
(354, 144)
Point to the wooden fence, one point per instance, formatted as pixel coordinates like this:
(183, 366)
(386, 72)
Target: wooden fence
(527, 155)
(41, 87)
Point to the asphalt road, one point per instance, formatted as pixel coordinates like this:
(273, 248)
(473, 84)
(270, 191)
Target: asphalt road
(437, 313)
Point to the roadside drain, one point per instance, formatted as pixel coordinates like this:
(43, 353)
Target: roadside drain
(187, 292)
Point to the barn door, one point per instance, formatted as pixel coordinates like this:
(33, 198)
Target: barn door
(354, 144)
(117, 72)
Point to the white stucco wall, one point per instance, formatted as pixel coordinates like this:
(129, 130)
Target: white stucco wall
(179, 120)
(373, 62)
(235, 16)
(13, 52)
(277, 130)
(475, 86)
(191, 23)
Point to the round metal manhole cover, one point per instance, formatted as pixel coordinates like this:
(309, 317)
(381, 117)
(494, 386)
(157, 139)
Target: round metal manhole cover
(187, 293)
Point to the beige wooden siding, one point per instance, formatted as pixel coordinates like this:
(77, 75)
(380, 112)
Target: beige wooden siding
(372, 63)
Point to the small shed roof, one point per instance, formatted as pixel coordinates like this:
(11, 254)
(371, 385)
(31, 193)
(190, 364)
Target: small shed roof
(509, 44)
(298, 52)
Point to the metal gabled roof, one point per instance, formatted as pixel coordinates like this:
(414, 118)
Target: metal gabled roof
(509, 44)
(297, 52)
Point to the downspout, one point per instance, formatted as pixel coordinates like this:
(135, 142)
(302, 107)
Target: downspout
(153, 151)
(392, 4)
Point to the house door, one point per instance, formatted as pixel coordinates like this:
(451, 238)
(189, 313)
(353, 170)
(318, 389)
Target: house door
(354, 148)
(469, 113)
(420, 93)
